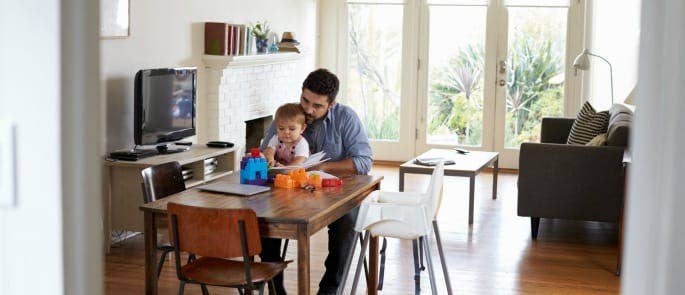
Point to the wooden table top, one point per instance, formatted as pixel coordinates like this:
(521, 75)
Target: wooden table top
(279, 205)
(474, 161)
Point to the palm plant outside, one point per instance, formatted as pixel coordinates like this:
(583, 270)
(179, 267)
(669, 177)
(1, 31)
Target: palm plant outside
(534, 59)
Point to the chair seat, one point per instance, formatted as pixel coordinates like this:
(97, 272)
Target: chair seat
(394, 229)
(224, 272)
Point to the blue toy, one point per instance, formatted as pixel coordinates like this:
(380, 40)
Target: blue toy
(253, 170)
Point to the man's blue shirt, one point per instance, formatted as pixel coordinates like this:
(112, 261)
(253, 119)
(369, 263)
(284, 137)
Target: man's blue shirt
(340, 135)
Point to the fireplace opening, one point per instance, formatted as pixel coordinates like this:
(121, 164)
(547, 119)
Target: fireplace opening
(255, 131)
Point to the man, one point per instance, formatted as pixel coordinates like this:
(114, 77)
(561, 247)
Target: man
(336, 130)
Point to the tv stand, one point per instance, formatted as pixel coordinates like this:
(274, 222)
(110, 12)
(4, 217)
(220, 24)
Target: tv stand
(164, 149)
(124, 194)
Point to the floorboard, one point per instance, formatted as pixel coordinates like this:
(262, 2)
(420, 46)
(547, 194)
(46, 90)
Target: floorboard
(494, 256)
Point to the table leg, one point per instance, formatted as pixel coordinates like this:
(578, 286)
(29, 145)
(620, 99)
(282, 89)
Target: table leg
(302, 260)
(401, 180)
(495, 171)
(472, 188)
(150, 253)
(372, 280)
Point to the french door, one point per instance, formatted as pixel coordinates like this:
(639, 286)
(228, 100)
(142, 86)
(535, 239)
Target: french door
(475, 74)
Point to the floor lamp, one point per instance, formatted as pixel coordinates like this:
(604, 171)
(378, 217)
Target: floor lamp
(582, 62)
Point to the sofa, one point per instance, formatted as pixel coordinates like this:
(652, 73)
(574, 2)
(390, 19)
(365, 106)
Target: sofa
(576, 182)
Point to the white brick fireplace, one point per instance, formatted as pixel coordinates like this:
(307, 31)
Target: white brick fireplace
(242, 88)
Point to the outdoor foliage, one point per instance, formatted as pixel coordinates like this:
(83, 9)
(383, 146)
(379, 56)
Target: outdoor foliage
(456, 102)
(374, 72)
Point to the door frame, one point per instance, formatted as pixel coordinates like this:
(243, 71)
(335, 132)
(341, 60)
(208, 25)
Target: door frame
(332, 54)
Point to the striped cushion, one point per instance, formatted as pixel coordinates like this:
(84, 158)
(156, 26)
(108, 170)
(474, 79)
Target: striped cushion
(589, 124)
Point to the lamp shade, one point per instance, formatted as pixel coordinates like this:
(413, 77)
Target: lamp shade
(582, 61)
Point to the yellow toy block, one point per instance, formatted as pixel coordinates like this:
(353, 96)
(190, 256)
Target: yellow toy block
(314, 180)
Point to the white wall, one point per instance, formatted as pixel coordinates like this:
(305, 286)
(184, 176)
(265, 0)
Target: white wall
(614, 31)
(654, 257)
(167, 33)
(31, 232)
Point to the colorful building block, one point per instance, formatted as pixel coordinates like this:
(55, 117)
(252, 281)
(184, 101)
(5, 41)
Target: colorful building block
(284, 181)
(331, 182)
(314, 180)
(253, 170)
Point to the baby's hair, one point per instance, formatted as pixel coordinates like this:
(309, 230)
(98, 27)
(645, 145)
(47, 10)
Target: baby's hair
(290, 111)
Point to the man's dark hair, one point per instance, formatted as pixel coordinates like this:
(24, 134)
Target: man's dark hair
(322, 82)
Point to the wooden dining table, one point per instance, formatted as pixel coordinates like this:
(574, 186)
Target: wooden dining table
(286, 213)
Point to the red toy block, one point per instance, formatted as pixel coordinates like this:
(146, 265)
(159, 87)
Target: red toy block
(254, 152)
(331, 182)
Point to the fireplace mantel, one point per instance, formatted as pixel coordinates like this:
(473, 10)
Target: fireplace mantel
(242, 88)
(225, 61)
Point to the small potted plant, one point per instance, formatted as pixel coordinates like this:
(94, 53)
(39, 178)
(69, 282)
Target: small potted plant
(260, 31)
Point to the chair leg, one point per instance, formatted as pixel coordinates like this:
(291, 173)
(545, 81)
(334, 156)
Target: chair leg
(381, 274)
(417, 269)
(272, 287)
(365, 244)
(442, 257)
(423, 267)
(346, 271)
(161, 261)
(181, 287)
(240, 291)
(429, 261)
(261, 289)
(534, 225)
(204, 289)
(285, 249)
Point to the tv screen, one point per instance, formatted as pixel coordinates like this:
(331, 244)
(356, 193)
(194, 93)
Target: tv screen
(164, 107)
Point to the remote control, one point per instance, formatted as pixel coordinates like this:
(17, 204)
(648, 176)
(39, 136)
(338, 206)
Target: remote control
(188, 143)
(462, 151)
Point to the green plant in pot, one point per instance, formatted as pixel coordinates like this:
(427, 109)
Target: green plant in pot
(260, 31)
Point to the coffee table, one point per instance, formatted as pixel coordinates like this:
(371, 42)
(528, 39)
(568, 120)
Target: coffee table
(468, 165)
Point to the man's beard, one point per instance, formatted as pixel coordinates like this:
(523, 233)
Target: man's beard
(309, 119)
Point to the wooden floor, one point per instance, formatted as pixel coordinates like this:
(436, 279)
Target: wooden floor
(494, 256)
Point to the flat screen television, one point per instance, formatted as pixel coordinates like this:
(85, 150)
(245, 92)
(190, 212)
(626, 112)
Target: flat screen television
(164, 105)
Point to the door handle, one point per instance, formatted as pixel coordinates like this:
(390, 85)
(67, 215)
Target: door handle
(501, 82)
(502, 67)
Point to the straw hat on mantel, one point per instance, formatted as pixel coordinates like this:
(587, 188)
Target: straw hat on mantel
(288, 38)
(288, 43)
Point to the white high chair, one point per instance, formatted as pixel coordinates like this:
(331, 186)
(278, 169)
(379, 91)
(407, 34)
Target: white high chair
(402, 215)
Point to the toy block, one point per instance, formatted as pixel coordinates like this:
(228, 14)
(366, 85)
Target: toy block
(284, 181)
(314, 180)
(253, 170)
(299, 177)
(254, 152)
(331, 182)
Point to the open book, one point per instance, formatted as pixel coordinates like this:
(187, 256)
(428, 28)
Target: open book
(312, 161)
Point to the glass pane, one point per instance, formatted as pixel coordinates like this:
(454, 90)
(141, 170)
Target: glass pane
(535, 71)
(374, 72)
(455, 78)
(538, 3)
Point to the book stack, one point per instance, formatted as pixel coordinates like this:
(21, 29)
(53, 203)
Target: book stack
(186, 172)
(228, 39)
(210, 165)
(288, 43)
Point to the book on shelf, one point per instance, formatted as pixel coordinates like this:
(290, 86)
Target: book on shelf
(216, 38)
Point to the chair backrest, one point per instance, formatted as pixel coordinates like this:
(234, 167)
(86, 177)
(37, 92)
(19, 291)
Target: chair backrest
(162, 180)
(213, 232)
(433, 196)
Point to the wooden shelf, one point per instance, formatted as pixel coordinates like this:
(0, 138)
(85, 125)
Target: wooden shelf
(224, 61)
(125, 195)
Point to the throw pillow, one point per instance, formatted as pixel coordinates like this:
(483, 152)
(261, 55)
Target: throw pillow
(588, 124)
(599, 140)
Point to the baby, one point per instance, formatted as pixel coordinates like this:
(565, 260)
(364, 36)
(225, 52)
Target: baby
(288, 147)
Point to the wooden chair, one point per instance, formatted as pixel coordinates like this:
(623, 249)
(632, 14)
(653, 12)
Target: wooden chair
(216, 235)
(158, 182)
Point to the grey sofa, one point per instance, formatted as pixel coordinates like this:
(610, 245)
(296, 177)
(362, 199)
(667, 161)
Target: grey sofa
(562, 181)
